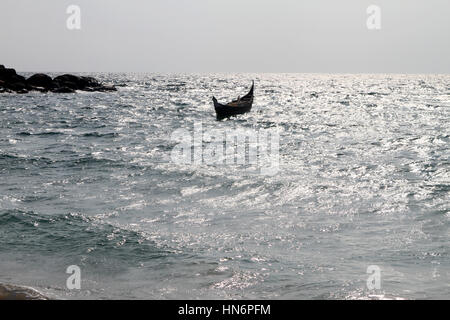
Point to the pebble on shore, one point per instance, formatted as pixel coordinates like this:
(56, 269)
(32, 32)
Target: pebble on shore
(13, 292)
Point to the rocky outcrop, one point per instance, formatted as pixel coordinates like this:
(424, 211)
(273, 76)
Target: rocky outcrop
(10, 81)
(13, 292)
(40, 81)
(81, 83)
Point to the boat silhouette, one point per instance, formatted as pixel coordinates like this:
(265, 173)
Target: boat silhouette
(239, 106)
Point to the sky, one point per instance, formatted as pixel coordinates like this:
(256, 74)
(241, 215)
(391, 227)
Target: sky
(305, 36)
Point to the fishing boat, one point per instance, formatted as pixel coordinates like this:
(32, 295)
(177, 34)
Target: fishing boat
(239, 106)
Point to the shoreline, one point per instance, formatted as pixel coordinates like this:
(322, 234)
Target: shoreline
(16, 292)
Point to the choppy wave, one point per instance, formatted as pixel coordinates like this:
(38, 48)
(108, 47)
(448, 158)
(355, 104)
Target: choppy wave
(74, 234)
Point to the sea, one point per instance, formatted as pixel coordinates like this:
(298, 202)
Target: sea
(95, 204)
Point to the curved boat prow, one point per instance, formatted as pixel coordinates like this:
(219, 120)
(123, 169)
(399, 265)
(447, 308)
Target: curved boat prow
(240, 106)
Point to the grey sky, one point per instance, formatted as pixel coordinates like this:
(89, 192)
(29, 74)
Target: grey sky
(226, 36)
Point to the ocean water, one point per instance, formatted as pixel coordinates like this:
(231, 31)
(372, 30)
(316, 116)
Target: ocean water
(88, 179)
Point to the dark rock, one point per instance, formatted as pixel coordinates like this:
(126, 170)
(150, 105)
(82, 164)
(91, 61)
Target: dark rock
(106, 88)
(70, 81)
(6, 74)
(17, 78)
(12, 81)
(3, 86)
(40, 80)
(89, 82)
(15, 83)
(81, 83)
(66, 83)
(67, 78)
(13, 292)
(63, 90)
(20, 87)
